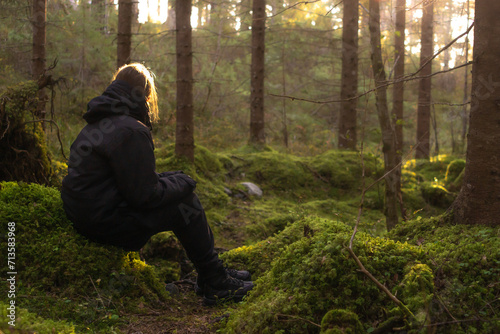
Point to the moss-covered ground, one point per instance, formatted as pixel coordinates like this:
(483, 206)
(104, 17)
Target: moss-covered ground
(293, 239)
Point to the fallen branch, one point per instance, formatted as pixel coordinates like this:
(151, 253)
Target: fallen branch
(384, 289)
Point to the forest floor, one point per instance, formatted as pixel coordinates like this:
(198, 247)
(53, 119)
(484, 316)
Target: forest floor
(293, 235)
(188, 317)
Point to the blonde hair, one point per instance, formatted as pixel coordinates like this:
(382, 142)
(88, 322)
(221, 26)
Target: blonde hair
(137, 75)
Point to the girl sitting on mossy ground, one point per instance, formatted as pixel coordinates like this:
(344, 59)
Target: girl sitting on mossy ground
(113, 195)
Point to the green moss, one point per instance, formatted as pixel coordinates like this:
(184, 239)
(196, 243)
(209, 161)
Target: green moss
(454, 175)
(165, 252)
(341, 321)
(65, 275)
(274, 171)
(24, 151)
(454, 169)
(436, 195)
(418, 290)
(343, 169)
(311, 273)
(466, 267)
(456, 185)
(30, 322)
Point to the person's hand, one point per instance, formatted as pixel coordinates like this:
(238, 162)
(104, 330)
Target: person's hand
(165, 174)
(187, 179)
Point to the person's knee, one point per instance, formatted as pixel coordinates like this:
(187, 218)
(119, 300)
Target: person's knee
(190, 208)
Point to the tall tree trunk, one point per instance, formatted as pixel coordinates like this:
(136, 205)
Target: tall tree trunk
(399, 72)
(388, 132)
(39, 61)
(479, 199)
(124, 38)
(398, 90)
(283, 79)
(349, 83)
(424, 91)
(257, 135)
(184, 131)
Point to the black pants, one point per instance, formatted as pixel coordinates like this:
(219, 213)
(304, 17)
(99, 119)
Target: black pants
(132, 228)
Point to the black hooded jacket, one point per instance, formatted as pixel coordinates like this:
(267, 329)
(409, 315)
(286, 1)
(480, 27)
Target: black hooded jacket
(111, 170)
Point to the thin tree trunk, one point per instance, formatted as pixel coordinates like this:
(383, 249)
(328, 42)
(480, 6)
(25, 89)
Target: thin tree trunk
(424, 91)
(398, 90)
(434, 127)
(479, 199)
(184, 131)
(388, 132)
(39, 60)
(124, 38)
(347, 136)
(399, 71)
(257, 135)
(283, 79)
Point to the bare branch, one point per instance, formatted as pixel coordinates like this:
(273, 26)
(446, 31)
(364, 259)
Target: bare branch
(389, 83)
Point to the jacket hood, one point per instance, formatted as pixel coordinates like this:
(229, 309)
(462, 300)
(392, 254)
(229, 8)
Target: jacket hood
(118, 99)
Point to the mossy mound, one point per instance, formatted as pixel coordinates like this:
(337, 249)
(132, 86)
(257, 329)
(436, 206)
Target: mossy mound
(432, 169)
(26, 322)
(65, 275)
(340, 322)
(305, 271)
(436, 195)
(343, 169)
(466, 267)
(454, 175)
(444, 274)
(22, 139)
(429, 186)
(165, 252)
(331, 174)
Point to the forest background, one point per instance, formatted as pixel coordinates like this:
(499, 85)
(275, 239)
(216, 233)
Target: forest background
(303, 61)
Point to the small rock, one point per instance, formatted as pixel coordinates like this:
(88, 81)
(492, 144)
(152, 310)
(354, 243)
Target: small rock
(228, 191)
(253, 189)
(172, 288)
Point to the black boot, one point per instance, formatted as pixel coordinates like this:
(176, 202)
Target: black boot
(238, 274)
(221, 287)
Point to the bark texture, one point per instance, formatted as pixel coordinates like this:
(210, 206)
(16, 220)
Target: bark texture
(124, 38)
(479, 199)
(399, 72)
(388, 132)
(257, 135)
(424, 91)
(184, 131)
(347, 135)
